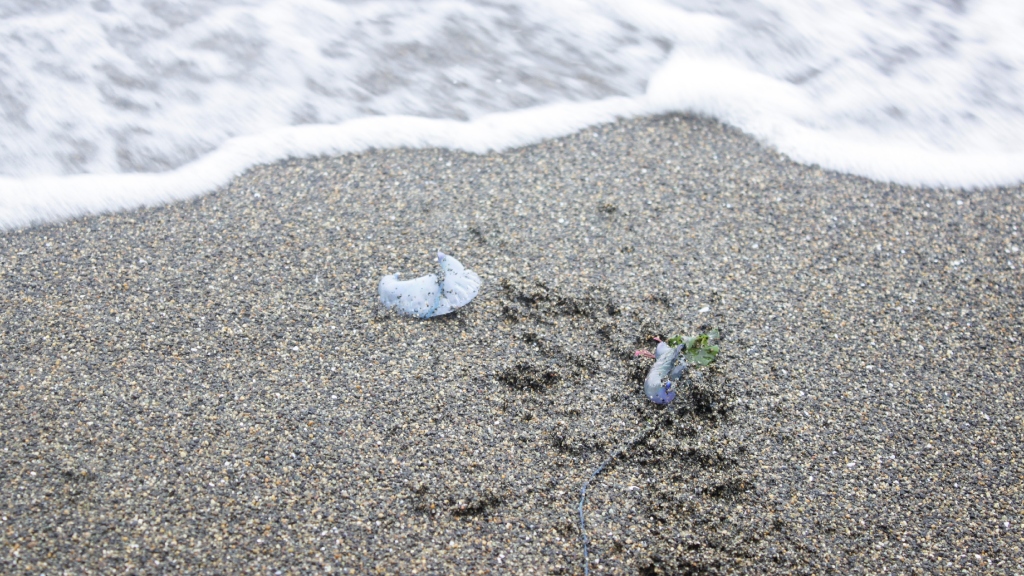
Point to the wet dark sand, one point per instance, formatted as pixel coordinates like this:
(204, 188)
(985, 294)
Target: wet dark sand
(211, 387)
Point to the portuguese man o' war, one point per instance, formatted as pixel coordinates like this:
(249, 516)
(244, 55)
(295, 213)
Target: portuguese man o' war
(433, 294)
(664, 374)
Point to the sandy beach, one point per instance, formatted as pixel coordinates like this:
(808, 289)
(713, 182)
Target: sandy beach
(213, 387)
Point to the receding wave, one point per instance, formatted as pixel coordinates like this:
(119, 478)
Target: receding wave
(110, 104)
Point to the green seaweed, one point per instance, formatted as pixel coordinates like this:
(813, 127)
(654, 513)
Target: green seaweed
(700, 350)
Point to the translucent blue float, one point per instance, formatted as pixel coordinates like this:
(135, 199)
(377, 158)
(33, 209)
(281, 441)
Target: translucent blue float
(433, 294)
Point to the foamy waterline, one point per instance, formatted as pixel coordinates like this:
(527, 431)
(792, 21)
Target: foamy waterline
(134, 106)
(30, 201)
(34, 200)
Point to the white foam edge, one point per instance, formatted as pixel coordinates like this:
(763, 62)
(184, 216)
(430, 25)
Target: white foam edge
(28, 201)
(753, 102)
(768, 109)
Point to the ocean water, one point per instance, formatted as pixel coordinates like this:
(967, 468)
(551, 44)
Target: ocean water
(114, 104)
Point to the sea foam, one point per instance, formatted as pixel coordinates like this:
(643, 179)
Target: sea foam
(114, 104)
